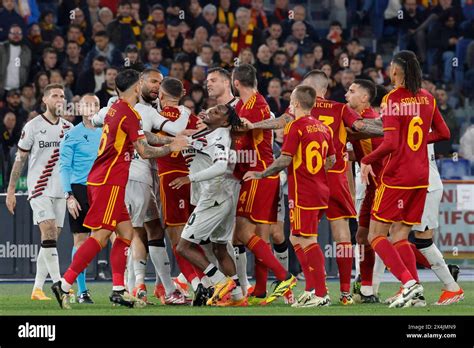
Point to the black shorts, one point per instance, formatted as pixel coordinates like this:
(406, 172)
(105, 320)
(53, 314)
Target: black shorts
(80, 193)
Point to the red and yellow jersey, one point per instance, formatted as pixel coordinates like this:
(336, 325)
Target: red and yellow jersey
(122, 127)
(363, 147)
(309, 142)
(336, 116)
(407, 120)
(174, 162)
(255, 147)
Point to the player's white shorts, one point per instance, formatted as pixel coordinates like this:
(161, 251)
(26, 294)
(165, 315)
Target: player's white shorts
(430, 218)
(48, 208)
(214, 223)
(141, 203)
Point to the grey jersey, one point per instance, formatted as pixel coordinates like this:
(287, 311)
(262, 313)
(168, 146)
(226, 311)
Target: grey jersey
(41, 139)
(209, 167)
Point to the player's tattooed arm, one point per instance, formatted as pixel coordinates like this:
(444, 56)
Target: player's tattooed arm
(146, 151)
(20, 160)
(277, 166)
(154, 139)
(330, 161)
(368, 128)
(273, 123)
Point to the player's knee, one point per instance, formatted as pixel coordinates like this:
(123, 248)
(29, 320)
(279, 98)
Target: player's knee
(48, 243)
(182, 247)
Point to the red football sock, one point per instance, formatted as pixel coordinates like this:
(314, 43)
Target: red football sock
(118, 260)
(391, 258)
(367, 264)
(83, 256)
(420, 258)
(263, 252)
(261, 275)
(185, 266)
(315, 258)
(405, 251)
(344, 264)
(308, 274)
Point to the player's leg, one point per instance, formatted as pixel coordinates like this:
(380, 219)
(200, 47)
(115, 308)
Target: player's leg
(139, 259)
(280, 246)
(452, 292)
(84, 294)
(342, 236)
(241, 265)
(367, 261)
(260, 270)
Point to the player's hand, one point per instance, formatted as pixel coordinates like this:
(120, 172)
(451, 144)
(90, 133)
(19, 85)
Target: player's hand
(252, 176)
(365, 170)
(11, 202)
(179, 143)
(246, 125)
(73, 207)
(178, 182)
(188, 132)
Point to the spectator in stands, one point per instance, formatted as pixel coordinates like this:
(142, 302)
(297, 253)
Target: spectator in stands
(291, 48)
(318, 53)
(104, 48)
(306, 64)
(60, 47)
(258, 16)
(198, 76)
(226, 57)
(445, 148)
(200, 37)
(158, 19)
(189, 103)
(245, 34)
(265, 69)
(48, 27)
(47, 63)
(132, 58)
(172, 42)
(15, 61)
(204, 58)
(177, 71)
(91, 80)
(41, 80)
(55, 76)
(444, 37)
(91, 12)
(275, 31)
(276, 103)
(154, 60)
(281, 11)
(216, 42)
(298, 31)
(225, 14)
(106, 16)
(74, 33)
(35, 41)
(189, 48)
(108, 87)
(197, 94)
(299, 15)
(272, 44)
(355, 49)
(13, 104)
(73, 59)
(28, 100)
(124, 30)
(338, 93)
(356, 64)
(412, 17)
(208, 18)
(9, 133)
(223, 31)
(78, 18)
(8, 17)
(246, 56)
(280, 61)
(334, 42)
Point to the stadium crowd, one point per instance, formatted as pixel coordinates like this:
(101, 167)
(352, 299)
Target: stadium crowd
(83, 44)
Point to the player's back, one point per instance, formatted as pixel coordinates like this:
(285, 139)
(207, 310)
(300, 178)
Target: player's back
(260, 141)
(309, 142)
(411, 117)
(336, 116)
(122, 126)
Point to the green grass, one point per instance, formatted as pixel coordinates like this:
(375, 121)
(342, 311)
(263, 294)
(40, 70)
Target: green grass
(15, 300)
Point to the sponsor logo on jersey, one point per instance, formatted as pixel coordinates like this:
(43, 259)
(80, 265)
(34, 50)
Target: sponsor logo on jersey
(46, 144)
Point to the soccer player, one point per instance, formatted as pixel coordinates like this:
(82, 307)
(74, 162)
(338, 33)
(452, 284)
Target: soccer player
(341, 206)
(77, 154)
(360, 95)
(309, 152)
(213, 194)
(408, 114)
(106, 188)
(219, 86)
(258, 199)
(39, 143)
(141, 201)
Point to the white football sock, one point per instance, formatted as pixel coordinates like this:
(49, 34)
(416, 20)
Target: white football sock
(236, 293)
(241, 266)
(130, 273)
(41, 270)
(139, 267)
(282, 258)
(379, 270)
(439, 267)
(195, 283)
(51, 260)
(215, 278)
(160, 259)
(357, 261)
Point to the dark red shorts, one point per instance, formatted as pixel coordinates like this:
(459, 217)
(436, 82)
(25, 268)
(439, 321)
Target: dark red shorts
(366, 206)
(175, 204)
(341, 205)
(107, 207)
(258, 200)
(399, 205)
(304, 222)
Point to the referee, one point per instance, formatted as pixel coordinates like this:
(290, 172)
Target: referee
(77, 154)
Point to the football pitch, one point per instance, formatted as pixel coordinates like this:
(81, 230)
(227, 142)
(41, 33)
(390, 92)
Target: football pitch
(15, 300)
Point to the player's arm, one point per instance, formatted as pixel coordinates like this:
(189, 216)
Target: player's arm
(146, 151)
(277, 166)
(271, 123)
(439, 129)
(155, 139)
(66, 157)
(368, 128)
(20, 160)
(331, 155)
(161, 123)
(97, 119)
